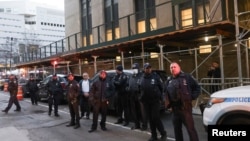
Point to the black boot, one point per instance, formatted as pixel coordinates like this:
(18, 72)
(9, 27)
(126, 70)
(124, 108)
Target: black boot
(72, 123)
(5, 111)
(77, 125)
(119, 121)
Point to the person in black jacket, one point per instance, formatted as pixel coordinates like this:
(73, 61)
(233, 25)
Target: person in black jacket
(120, 82)
(181, 89)
(100, 92)
(136, 107)
(55, 90)
(32, 88)
(214, 73)
(73, 101)
(12, 88)
(151, 89)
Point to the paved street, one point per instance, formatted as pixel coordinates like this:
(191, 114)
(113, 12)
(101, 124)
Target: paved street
(34, 124)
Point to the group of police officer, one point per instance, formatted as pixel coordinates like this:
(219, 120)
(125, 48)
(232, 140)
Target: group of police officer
(139, 95)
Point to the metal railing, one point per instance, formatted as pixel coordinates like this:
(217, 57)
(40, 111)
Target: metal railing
(207, 83)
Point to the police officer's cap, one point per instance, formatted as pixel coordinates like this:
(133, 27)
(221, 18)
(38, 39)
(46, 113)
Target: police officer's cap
(119, 68)
(147, 65)
(135, 66)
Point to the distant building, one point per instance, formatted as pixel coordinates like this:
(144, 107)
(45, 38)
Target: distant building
(25, 27)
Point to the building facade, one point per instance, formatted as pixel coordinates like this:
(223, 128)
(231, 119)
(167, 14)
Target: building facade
(103, 33)
(25, 27)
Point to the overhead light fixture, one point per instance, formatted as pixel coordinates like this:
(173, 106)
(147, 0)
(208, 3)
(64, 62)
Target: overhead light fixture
(206, 38)
(118, 58)
(154, 55)
(85, 61)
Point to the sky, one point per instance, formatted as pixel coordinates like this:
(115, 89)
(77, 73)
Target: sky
(59, 4)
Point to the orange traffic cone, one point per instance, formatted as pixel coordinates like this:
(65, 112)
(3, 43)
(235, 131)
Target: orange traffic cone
(20, 93)
(5, 87)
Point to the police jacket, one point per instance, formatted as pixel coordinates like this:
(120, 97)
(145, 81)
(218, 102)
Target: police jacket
(120, 83)
(182, 89)
(101, 90)
(54, 87)
(12, 87)
(32, 85)
(72, 91)
(133, 84)
(151, 88)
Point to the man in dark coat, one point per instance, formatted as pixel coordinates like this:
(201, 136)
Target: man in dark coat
(100, 91)
(12, 88)
(181, 89)
(136, 107)
(32, 88)
(120, 82)
(73, 101)
(214, 73)
(55, 90)
(151, 88)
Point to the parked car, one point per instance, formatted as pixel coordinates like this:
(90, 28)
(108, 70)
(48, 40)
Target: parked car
(111, 74)
(228, 107)
(43, 91)
(2, 81)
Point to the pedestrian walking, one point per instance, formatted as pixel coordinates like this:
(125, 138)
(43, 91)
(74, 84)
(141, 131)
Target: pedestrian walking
(55, 91)
(151, 88)
(32, 88)
(100, 92)
(73, 101)
(181, 89)
(12, 88)
(84, 95)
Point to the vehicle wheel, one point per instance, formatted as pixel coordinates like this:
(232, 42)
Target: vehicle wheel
(237, 120)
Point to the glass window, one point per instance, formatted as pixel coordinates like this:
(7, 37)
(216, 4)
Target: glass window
(145, 13)
(200, 11)
(86, 21)
(111, 19)
(186, 17)
(8, 10)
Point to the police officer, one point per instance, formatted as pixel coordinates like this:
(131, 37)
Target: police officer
(73, 101)
(55, 90)
(32, 88)
(181, 89)
(100, 92)
(12, 88)
(151, 88)
(120, 82)
(136, 107)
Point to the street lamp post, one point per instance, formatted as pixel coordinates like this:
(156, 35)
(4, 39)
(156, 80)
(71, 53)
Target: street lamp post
(11, 39)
